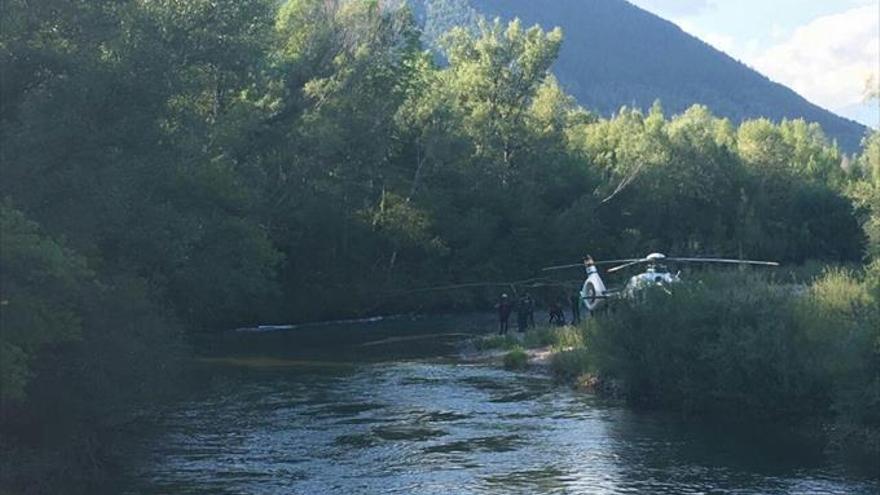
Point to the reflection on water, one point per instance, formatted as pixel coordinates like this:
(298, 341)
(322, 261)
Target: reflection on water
(423, 425)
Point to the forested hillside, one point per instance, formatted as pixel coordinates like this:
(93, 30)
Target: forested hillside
(616, 54)
(177, 167)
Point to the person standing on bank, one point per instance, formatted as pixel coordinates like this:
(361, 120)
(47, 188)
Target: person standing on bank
(530, 323)
(575, 308)
(504, 308)
(557, 316)
(522, 314)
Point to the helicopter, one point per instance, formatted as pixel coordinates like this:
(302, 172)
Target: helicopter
(594, 292)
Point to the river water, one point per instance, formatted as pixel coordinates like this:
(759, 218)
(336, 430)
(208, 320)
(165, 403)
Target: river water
(387, 407)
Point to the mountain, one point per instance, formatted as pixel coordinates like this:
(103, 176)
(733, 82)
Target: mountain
(616, 54)
(865, 112)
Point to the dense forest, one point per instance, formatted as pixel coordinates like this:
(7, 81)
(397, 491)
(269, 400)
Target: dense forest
(172, 168)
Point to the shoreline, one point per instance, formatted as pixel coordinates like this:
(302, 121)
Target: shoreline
(855, 442)
(545, 350)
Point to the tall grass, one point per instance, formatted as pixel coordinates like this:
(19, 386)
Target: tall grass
(493, 342)
(569, 365)
(516, 359)
(842, 312)
(559, 338)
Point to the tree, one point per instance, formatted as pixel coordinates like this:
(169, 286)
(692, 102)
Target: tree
(494, 76)
(39, 298)
(865, 191)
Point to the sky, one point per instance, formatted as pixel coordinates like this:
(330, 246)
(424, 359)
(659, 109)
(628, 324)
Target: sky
(826, 50)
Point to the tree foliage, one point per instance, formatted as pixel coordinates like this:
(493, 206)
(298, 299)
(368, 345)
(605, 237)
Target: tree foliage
(204, 165)
(40, 292)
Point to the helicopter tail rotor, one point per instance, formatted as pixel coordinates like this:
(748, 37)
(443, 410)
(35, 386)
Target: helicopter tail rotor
(593, 291)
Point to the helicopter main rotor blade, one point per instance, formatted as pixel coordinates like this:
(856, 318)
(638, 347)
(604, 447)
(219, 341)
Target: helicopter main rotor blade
(627, 265)
(561, 267)
(724, 260)
(473, 285)
(581, 265)
(614, 262)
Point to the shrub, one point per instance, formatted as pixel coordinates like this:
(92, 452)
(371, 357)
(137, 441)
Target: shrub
(569, 365)
(731, 343)
(516, 359)
(539, 337)
(557, 337)
(842, 313)
(737, 344)
(568, 338)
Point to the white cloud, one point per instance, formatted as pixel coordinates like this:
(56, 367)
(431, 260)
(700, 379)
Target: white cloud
(827, 60)
(778, 32)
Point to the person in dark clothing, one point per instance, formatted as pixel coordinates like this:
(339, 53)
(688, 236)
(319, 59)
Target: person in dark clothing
(575, 308)
(530, 307)
(504, 308)
(522, 314)
(556, 314)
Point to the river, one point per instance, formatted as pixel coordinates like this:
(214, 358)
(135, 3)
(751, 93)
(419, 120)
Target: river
(387, 407)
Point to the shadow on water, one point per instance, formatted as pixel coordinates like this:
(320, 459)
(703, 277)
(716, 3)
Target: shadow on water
(384, 407)
(665, 453)
(389, 339)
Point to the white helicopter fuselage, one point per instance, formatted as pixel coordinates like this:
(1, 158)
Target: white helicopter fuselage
(651, 277)
(594, 292)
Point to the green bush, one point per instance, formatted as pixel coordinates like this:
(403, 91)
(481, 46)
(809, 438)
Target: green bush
(569, 365)
(493, 342)
(731, 343)
(82, 353)
(842, 313)
(43, 281)
(516, 359)
(539, 337)
(568, 337)
(556, 337)
(737, 344)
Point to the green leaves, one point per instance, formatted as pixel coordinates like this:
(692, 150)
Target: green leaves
(695, 183)
(234, 154)
(404, 224)
(494, 76)
(42, 283)
(866, 193)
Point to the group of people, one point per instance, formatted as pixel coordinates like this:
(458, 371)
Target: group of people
(525, 312)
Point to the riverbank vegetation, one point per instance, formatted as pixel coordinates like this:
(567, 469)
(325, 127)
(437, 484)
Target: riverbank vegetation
(173, 168)
(733, 345)
(738, 345)
(516, 359)
(556, 338)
